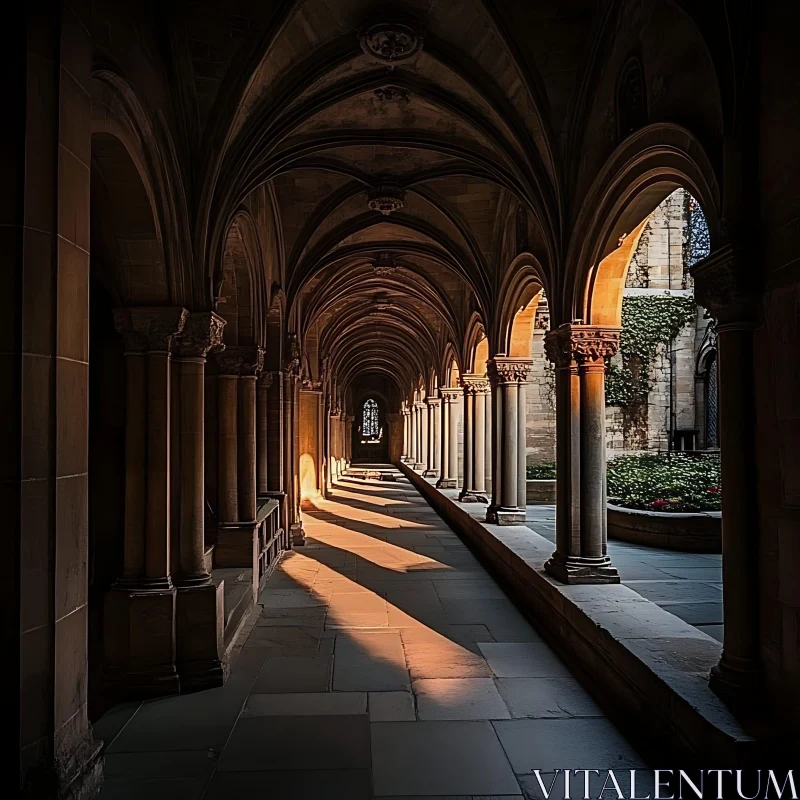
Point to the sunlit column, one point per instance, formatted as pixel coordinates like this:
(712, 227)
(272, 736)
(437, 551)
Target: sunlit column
(422, 435)
(474, 489)
(432, 410)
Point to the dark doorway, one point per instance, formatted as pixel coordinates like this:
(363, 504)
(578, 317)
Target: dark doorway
(370, 432)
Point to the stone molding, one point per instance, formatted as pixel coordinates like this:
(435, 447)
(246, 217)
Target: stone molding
(503, 369)
(726, 286)
(475, 384)
(433, 401)
(391, 41)
(150, 328)
(450, 395)
(241, 360)
(201, 335)
(581, 343)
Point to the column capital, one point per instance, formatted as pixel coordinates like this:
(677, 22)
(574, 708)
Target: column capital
(507, 369)
(201, 335)
(581, 343)
(726, 284)
(433, 401)
(419, 404)
(242, 360)
(265, 379)
(150, 328)
(450, 394)
(475, 384)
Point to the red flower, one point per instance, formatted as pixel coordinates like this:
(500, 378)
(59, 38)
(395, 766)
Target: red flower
(659, 503)
(713, 490)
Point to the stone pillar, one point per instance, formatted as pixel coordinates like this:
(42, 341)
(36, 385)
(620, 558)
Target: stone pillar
(506, 374)
(420, 412)
(580, 353)
(201, 334)
(449, 439)
(140, 610)
(252, 364)
(725, 286)
(228, 460)
(413, 419)
(475, 390)
(432, 404)
(488, 441)
(522, 441)
(262, 433)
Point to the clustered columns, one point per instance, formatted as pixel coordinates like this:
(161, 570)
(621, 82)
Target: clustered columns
(476, 390)
(239, 368)
(508, 377)
(157, 638)
(262, 433)
(580, 353)
(449, 438)
(421, 428)
(724, 285)
(406, 434)
(434, 405)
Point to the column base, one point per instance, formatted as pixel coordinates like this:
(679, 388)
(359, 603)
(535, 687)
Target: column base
(139, 642)
(199, 634)
(298, 535)
(581, 571)
(447, 483)
(505, 516)
(472, 496)
(430, 473)
(74, 775)
(417, 466)
(736, 681)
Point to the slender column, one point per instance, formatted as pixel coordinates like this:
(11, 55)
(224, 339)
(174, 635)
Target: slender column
(455, 413)
(431, 411)
(564, 564)
(202, 333)
(422, 435)
(522, 446)
(474, 490)
(406, 434)
(436, 421)
(262, 433)
(488, 438)
(506, 374)
(135, 448)
(413, 419)
(160, 325)
(444, 481)
(724, 284)
(228, 432)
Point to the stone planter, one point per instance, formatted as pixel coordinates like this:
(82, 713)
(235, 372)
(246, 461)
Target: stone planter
(540, 492)
(696, 532)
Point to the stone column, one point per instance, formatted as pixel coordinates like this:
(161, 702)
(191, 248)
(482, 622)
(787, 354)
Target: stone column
(227, 452)
(291, 403)
(420, 412)
(564, 564)
(449, 471)
(140, 611)
(262, 433)
(488, 441)
(201, 334)
(413, 420)
(404, 412)
(252, 363)
(522, 444)
(725, 285)
(199, 618)
(506, 374)
(432, 404)
(475, 390)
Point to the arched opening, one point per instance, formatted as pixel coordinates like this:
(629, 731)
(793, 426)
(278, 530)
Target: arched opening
(371, 431)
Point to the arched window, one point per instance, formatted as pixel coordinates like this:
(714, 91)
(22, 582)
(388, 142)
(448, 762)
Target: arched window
(370, 426)
(712, 401)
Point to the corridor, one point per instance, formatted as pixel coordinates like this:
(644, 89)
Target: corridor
(381, 661)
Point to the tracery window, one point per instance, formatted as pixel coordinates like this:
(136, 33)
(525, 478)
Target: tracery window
(370, 426)
(712, 402)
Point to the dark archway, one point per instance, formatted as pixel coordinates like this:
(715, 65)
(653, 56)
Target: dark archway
(370, 431)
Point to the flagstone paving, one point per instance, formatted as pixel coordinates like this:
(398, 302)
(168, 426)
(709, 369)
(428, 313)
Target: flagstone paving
(381, 661)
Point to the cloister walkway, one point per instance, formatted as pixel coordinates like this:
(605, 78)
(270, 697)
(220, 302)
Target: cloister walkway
(381, 661)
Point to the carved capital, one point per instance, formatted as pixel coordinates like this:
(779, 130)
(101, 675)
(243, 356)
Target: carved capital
(450, 394)
(508, 370)
(726, 285)
(240, 360)
(265, 379)
(581, 343)
(201, 335)
(150, 327)
(475, 384)
(433, 401)
(293, 355)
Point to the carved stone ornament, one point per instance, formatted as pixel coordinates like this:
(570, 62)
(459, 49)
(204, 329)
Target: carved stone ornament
(391, 41)
(386, 198)
(475, 384)
(384, 264)
(558, 347)
(392, 94)
(241, 360)
(201, 335)
(293, 355)
(265, 379)
(450, 394)
(508, 370)
(593, 342)
(150, 327)
(724, 285)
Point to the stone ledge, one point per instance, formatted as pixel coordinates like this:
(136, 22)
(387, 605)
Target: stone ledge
(540, 492)
(646, 666)
(699, 532)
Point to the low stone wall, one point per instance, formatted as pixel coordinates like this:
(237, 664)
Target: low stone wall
(646, 667)
(540, 492)
(688, 532)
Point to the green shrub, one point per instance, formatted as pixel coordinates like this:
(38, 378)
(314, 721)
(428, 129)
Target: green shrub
(542, 471)
(666, 482)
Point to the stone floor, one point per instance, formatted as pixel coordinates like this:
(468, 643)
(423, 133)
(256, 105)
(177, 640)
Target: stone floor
(687, 585)
(382, 661)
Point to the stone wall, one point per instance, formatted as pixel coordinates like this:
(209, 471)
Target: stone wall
(540, 406)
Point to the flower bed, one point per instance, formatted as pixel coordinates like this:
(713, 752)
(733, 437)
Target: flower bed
(542, 471)
(666, 482)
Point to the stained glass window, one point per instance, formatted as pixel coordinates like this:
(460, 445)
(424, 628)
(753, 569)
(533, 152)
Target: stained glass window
(370, 427)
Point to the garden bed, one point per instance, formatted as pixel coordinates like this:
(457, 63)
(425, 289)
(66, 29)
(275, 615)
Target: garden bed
(699, 532)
